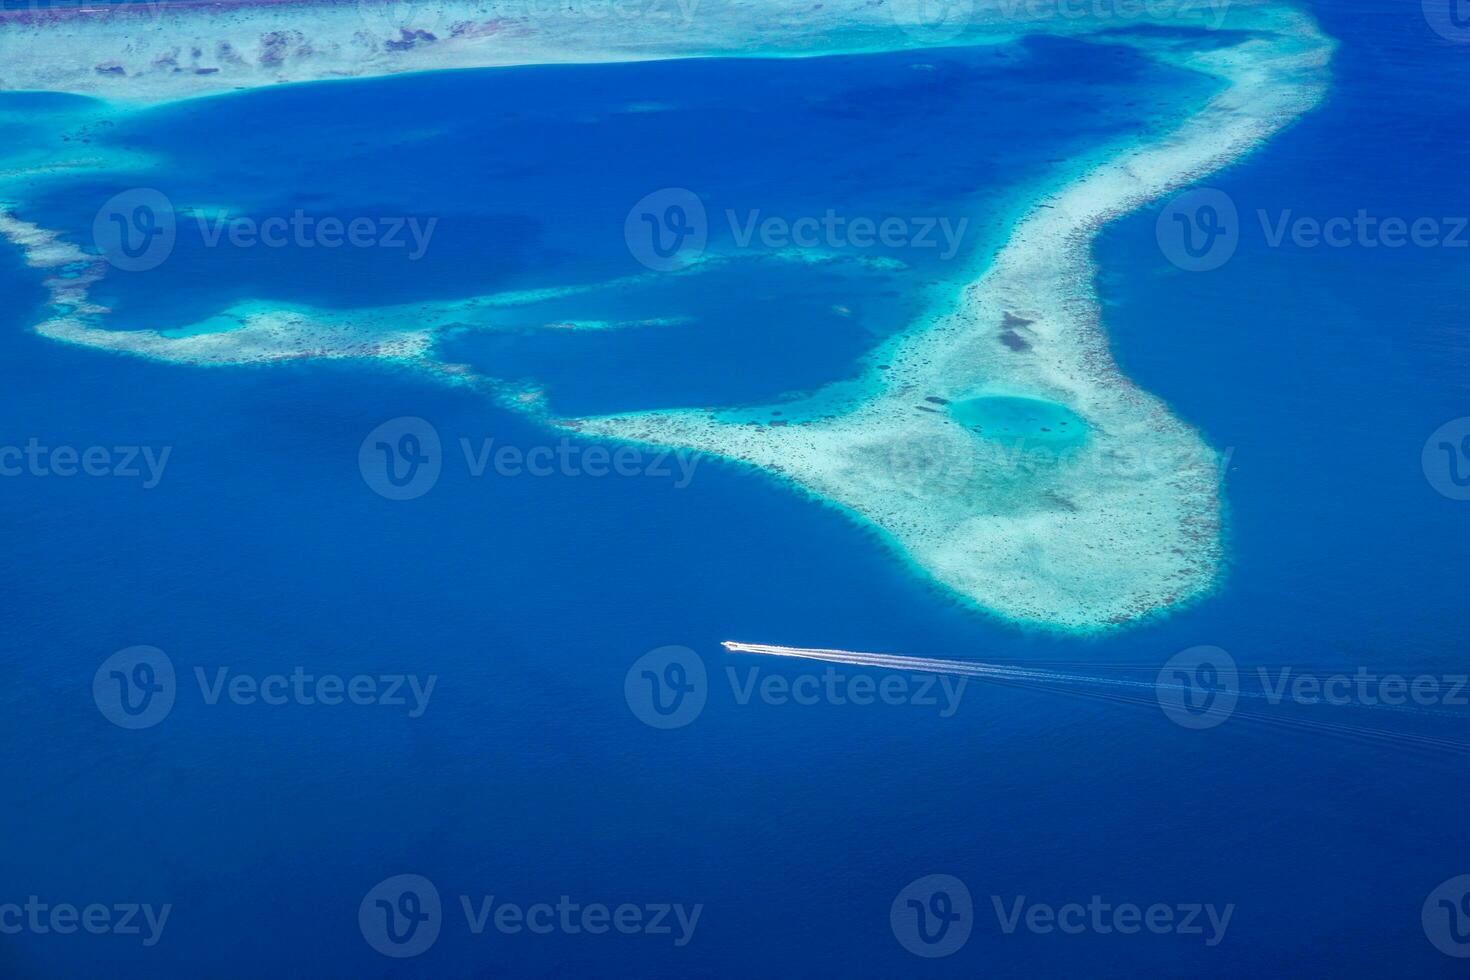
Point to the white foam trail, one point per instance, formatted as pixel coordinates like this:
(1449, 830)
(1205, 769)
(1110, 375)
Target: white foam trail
(964, 668)
(1401, 740)
(973, 668)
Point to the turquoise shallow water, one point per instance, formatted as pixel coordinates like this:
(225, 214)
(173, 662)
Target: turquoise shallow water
(528, 777)
(1043, 424)
(517, 207)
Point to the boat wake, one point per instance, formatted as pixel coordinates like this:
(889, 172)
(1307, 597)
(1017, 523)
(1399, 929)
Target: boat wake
(1281, 711)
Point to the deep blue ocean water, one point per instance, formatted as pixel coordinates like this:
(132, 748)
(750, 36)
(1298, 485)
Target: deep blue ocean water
(1323, 371)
